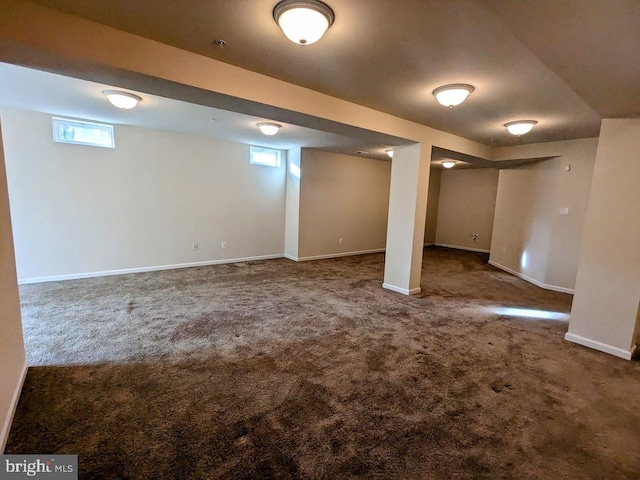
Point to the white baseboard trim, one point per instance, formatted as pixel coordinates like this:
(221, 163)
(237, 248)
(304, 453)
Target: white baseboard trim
(125, 271)
(4, 433)
(603, 347)
(404, 291)
(429, 244)
(291, 257)
(468, 249)
(336, 255)
(532, 280)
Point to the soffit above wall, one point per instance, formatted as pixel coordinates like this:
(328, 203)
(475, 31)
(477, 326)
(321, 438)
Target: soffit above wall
(438, 155)
(60, 95)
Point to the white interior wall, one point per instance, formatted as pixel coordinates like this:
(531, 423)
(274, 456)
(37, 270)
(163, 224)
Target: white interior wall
(607, 299)
(80, 210)
(342, 197)
(292, 208)
(409, 192)
(522, 225)
(531, 237)
(12, 355)
(433, 199)
(466, 207)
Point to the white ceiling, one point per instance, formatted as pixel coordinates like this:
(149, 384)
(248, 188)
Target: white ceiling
(59, 95)
(565, 63)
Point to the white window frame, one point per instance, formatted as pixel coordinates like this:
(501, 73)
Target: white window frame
(258, 150)
(58, 138)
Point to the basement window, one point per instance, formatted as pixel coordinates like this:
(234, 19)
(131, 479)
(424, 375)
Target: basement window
(264, 156)
(83, 133)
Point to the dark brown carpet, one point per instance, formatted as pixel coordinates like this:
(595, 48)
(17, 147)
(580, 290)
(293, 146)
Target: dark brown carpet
(275, 369)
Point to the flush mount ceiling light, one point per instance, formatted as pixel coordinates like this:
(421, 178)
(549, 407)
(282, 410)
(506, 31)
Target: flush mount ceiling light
(448, 164)
(520, 127)
(268, 128)
(452, 95)
(389, 153)
(305, 21)
(122, 100)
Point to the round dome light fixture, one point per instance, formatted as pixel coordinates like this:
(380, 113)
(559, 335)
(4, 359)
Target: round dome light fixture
(453, 94)
(269, 129)
(448, 164)
(303, 21)
(122, 100)
(520, 127)
(389, 153)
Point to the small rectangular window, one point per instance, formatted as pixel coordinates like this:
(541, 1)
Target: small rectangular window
(264, 156)
(83, 133)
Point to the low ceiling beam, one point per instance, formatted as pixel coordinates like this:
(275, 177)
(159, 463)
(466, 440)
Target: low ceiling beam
(441, 153)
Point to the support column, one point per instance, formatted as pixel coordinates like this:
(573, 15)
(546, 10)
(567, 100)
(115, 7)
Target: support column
(292, 204)
(607, 297)
(13, 366)
(407, 214)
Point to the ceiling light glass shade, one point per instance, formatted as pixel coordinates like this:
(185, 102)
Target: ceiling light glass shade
(452, 95)
(269, 129)
(520, 127)
(303, 22)
(449, 164)
(123, 100)
(389, 153)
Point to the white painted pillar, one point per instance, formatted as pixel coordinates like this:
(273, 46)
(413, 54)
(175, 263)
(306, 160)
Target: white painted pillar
(407, 214)
(605, 312)
(292, 204)
(13, 366)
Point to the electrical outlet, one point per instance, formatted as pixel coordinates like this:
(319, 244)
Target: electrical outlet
(223, 245)
(340, 241)
(195, 247)
(474, 236)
